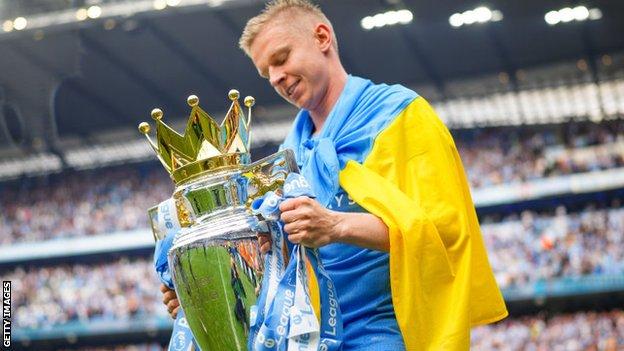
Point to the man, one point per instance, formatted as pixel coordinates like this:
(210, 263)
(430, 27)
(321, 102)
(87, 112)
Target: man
(393, 219)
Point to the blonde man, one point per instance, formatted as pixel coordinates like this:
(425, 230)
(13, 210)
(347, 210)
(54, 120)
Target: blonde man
(393, 218)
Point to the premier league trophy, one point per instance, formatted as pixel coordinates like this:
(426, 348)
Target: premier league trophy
(215, 259)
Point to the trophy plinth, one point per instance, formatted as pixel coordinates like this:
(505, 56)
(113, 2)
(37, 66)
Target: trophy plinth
(215, 260)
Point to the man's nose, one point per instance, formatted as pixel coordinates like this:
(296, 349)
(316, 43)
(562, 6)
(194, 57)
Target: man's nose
(276, 76)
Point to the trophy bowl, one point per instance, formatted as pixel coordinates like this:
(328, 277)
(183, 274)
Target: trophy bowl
(216, 262)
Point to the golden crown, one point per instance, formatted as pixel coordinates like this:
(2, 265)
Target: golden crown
(205, 145)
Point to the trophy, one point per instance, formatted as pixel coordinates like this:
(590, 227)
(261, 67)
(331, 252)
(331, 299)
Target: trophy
(215, 258)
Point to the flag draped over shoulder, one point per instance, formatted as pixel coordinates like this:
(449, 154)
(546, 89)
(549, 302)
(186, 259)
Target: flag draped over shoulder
(389, 151)
(441, 280)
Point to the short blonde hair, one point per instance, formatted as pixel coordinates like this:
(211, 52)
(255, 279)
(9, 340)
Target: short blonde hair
(271, 11)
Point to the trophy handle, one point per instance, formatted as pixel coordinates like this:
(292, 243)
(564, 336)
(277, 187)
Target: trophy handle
(152, 213)
(269, 174)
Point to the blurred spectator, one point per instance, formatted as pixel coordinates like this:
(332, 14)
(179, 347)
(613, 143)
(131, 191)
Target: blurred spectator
(494, 156)
(46, 296)
(567, 332)
(81, 203)
(116, 199)
(533, 247)
(522, 250)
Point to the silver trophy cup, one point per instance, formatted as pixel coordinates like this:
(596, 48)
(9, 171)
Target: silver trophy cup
(216, 262)
(215, 259)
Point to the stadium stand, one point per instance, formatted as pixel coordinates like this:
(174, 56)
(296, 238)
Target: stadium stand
(560, 252)
(57, 295)
(494, 156)
(538, 121)
(113, 199)
(81, 203)
(579, 331)
(537, 247)
(523, 251)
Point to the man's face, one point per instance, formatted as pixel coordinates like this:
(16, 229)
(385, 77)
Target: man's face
(293, 62)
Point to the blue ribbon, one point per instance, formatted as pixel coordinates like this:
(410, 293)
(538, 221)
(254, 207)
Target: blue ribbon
(274, 268)
(331, 319)
(273, 332)
(160, 260)
(272, 318)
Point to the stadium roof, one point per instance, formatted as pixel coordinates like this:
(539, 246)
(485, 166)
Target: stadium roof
(83, 77)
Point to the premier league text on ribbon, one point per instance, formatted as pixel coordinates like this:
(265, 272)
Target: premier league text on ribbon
(6, 313)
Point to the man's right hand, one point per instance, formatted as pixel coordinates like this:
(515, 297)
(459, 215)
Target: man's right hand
(170, 299)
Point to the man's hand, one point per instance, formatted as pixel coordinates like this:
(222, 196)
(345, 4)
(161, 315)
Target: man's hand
(308, 223)
(170, 299)
(264, 239)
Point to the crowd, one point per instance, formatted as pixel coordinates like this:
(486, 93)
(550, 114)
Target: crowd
(530, 247)
(500, 155)
(522, 249)
(80, 203)
(124, 289)
(121, 290)
(110, 200)
(582, 331)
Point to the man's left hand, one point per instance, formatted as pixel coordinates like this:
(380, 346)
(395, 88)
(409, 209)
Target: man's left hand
(308, 223)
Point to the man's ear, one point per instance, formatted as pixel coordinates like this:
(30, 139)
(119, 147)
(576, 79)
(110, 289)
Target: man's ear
(323, 36)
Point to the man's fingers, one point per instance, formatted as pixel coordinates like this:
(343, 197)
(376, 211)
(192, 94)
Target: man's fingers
(296, 238)
(264, 248)
(291, 228)
(174, 313)
(164, 288)
(297, 226)
(289, 216)
(172, 305)
(288, 205)
(291, 204)
(264, 240)
(168, 296)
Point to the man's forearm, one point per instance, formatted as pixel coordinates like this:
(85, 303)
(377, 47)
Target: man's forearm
(362, 229)
(308, 223)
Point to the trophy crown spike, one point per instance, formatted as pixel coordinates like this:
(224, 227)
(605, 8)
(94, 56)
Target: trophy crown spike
(192, 100)
(157, 114)
(205, 145)
(249, 101)
(144, 128)
(233, 94)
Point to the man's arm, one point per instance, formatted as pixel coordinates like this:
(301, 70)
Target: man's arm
(310, 224)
